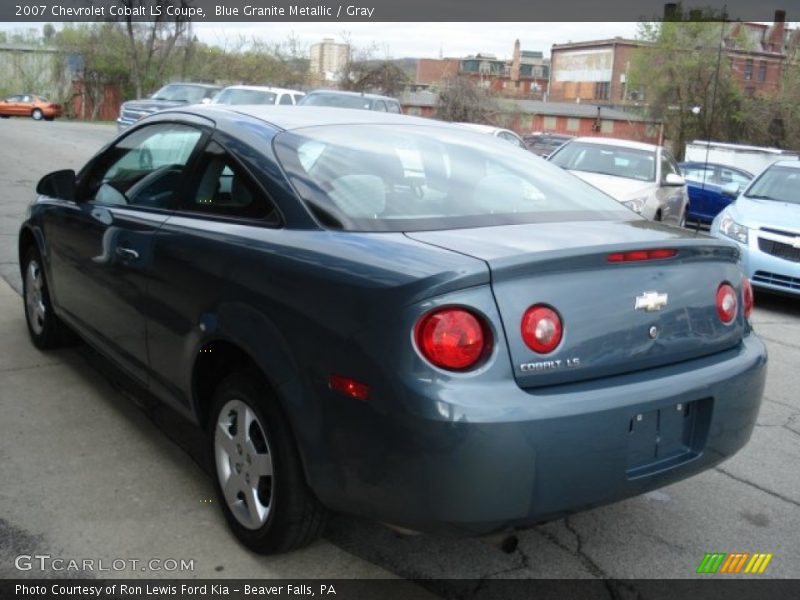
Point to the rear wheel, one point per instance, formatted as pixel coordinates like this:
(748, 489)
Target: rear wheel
(259, 478)
(47, 331)
(37, 114)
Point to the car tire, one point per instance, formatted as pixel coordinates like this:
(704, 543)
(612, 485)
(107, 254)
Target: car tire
(47, 331)
(259, 477)
(37, 114)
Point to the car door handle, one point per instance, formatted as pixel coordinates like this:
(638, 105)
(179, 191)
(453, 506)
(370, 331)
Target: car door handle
(127, 253)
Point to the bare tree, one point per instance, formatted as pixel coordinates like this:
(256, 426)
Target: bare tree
(462, 101)
(151, 44)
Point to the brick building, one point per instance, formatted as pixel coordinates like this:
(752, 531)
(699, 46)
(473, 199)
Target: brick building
(757, 53)
(525, 74)
(578, 119)
(597, 71)
(594, 71)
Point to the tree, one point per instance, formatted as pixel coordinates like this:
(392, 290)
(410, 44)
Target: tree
(684, 76)
(151, 44)
(95, 49)
(380, 76)
(462, 101)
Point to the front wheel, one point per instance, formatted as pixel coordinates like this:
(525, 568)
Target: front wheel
(37, 114)
(47, 331)
(259, 477)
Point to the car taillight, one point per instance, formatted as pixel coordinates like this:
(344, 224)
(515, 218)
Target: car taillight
(541, 328)
(747, 297)
(453, 338)
(726, 303)
(640, 255)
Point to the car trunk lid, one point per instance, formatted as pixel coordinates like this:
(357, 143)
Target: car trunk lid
(567, 266)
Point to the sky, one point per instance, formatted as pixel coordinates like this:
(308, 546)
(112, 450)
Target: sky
(418, 40)
(422, 40)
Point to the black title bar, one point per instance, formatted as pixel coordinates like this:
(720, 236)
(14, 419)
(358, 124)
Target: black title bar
(379, 10)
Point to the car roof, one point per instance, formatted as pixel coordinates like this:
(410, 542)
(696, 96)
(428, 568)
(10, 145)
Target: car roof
(482, 128)
(359, 94)
(700, 163)
(205, 85)
(607, 141)
(296, 117)
(263, 88)
(795, 164)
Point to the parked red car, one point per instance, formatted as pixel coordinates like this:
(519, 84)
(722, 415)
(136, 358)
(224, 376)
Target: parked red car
(30, 105)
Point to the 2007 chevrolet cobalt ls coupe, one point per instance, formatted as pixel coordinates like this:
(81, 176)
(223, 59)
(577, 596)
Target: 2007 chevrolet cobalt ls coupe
(395, 318)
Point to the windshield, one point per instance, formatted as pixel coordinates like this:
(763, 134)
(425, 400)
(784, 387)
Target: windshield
(245, 97)
(630, 163)
(781, 184)
(336, 100)
(416, 177)
(191, 94)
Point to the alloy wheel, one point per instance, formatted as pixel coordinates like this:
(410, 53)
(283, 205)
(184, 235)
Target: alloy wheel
(244, 464)
(34, 297)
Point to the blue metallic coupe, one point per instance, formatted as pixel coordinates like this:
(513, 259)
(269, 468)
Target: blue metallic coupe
(394, 317)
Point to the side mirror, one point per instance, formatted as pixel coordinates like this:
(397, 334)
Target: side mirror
(731, 190)
(673, 179)
(58, 184)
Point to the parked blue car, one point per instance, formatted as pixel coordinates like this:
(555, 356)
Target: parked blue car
(711, 188)
(394, 317)
(765, 224)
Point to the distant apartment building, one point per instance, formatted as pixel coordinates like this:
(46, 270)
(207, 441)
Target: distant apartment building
(329, 59)
(597, 71)
(525, 74)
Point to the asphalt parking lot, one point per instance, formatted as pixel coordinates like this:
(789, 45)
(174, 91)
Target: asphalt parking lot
(87, 469)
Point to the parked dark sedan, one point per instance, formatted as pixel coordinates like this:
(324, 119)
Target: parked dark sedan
(394, 317)
(711, 188)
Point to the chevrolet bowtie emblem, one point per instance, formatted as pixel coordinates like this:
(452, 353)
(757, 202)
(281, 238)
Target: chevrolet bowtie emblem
(651, 301)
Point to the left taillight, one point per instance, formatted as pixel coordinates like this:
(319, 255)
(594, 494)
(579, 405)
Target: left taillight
(453, 338)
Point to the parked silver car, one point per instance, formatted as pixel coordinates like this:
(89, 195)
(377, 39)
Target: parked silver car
(643, 177)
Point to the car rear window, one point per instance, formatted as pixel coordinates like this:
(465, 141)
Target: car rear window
(245, 97)
(336, 101)
(603, 159)
(369, 177)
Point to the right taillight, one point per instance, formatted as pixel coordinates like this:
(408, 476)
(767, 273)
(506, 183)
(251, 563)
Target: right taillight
(747, 297)
(541, 328)
(726, 303)
(453, 338)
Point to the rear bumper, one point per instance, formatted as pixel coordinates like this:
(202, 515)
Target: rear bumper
(482, 460)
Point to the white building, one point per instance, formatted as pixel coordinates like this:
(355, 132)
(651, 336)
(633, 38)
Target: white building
(329, 59)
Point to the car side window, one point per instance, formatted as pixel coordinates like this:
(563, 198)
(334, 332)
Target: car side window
(225, 189)
(394, 107)
(144, 168)
(698, 173)
(731, 176)
(379, 105)
(26, 99)
(285, 99)
(14, 99)
(297, 98)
